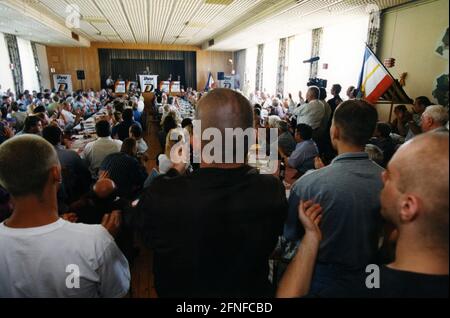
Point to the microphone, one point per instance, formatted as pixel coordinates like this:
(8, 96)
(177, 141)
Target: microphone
(312, 60)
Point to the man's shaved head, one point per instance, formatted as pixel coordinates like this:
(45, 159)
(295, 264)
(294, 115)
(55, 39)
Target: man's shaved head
(103, 188)
(222, 109)
(421, 169)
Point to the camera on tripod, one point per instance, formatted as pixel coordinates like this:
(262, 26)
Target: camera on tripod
(319, 82)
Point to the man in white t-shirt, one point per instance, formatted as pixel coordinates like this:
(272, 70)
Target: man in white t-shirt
(42, 255)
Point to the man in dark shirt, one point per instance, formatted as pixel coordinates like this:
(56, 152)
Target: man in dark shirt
(415, 200)
(382, 139)
(121, 130)
(125, 169)
(213, 231)
(93, 206)
(76, 177)
(336, 100)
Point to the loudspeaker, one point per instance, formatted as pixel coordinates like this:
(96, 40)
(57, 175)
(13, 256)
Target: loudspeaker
(80, 75)
(220, 76)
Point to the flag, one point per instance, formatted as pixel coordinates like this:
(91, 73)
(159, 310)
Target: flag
(375, 79)
(210, 82)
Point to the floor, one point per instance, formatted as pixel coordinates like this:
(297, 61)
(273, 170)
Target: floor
(141, 272)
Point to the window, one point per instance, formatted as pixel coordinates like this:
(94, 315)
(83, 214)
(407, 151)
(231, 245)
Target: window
(29, 74)
(297, 74)
(343, 50)
(270, 64)
(250, 70)
(6, 78)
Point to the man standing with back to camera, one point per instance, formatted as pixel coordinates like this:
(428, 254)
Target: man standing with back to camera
(213, 231)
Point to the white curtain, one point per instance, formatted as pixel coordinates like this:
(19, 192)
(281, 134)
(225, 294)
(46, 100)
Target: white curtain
(250, 70)
(343, 50)
(297, 75)
(270, 66)
(6, 78)
(29, 73)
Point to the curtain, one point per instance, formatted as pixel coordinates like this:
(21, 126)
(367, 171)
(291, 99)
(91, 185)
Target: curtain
(131, 63)
(29, 73)
(373, 32)
(259, 68)
(6, 77)
(282, 54)
(14, 57)
(249, 83)
(130, 69)
(36, 62)
(315, 51)
(239, 64)
(190, 69)
(270, 66)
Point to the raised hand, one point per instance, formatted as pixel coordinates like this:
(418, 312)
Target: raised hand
(310, 215)
(111, 222)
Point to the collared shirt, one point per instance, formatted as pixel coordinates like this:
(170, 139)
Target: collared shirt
(287, 143)
(349, 192)
(302, 158)
(96, 151)
(310, 113)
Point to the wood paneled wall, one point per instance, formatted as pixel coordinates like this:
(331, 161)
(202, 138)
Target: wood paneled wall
(67, 60)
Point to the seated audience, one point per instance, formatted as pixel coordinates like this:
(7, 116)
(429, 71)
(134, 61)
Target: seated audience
(219, 242)
(415, 200)
(400, 123)
(122, 130)
(302, 158)
(414, 125)
(286, 141)
(382, 139)
(348, 191)
(173, 137)
(96, 151)
(375, 154)
(351, 93)
(76, 177)
(101, 200)
(32, 125)
(136, 134)
(41, 254)
(125, 169)
(18, 116)
(434, 119)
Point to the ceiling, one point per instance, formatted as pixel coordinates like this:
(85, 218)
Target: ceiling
(233, 24)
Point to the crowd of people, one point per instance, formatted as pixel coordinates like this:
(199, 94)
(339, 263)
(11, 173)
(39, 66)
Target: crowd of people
(363, 192)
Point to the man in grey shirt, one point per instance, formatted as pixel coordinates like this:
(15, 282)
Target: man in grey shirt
(348, 190)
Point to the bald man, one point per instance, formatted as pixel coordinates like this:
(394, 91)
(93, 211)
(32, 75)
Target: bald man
(213, 231)
(415, 200)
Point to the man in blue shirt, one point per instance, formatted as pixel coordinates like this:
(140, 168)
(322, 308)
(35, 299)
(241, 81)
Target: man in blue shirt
(302, 158)
(348, 191)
